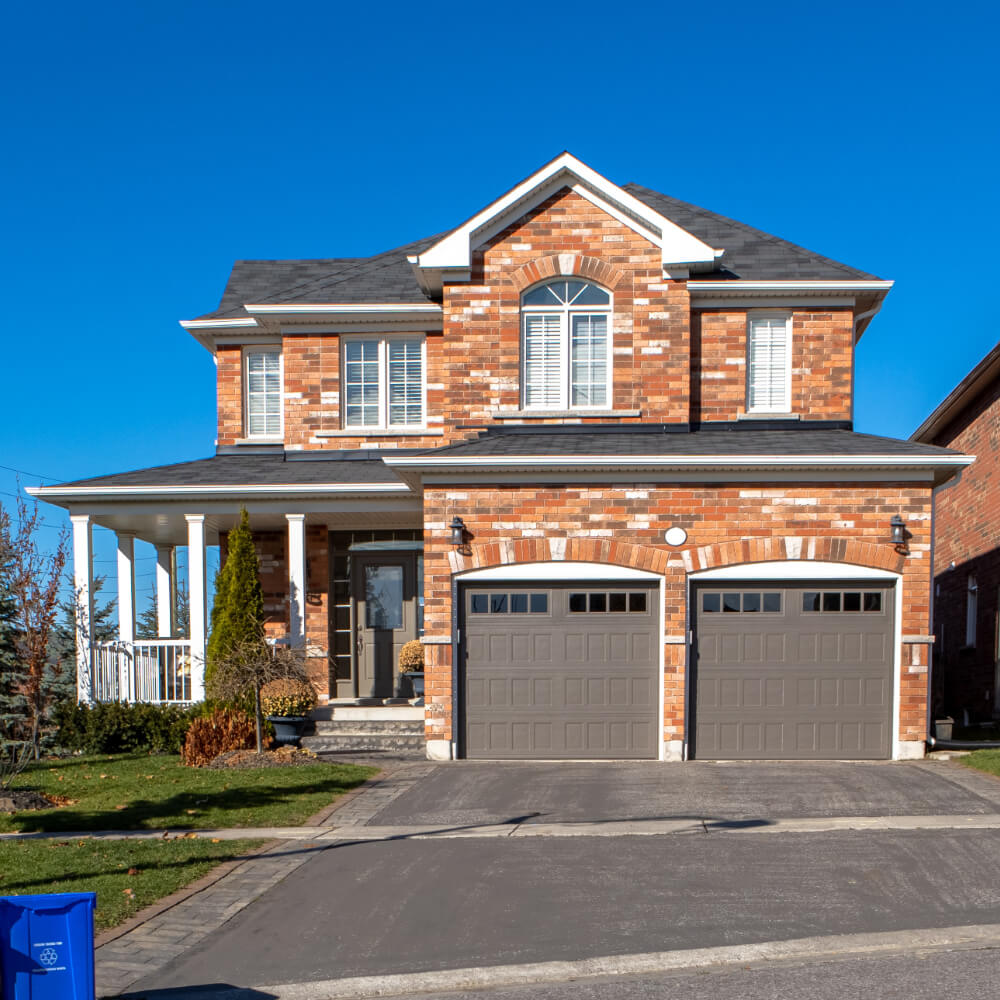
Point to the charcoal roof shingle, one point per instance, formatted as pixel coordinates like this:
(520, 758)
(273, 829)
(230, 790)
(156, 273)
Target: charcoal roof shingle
(750, 255)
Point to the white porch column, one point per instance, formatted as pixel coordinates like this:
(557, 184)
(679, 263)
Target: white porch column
(83, 585)
(165, 583)
(197, 595)
(126, 614)
(297, 578)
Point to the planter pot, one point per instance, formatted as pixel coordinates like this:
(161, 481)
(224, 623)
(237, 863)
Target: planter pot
(943, 728)
(417, 681)
(288, 728)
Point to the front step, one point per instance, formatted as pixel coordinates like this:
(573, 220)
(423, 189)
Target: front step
(398, 731)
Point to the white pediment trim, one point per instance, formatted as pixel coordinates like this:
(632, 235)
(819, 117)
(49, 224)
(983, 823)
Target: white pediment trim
(454, 252)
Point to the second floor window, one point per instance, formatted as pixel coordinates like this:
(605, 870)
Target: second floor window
(263, 392)
(383, 382)
(769, 363)
(566, 346)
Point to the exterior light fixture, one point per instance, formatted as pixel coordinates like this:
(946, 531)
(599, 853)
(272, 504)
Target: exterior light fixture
(898, 530)
(457, 527)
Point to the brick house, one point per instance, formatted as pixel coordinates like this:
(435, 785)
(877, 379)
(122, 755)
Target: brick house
(966, 673)
(594, 447)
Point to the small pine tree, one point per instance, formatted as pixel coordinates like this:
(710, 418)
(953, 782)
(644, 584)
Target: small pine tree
(147, 623)
(13, 705)
(238, 612)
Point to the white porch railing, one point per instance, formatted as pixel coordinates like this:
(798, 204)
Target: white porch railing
(154, 670)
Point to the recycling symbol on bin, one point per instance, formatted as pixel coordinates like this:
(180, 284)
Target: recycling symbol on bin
(48, 956)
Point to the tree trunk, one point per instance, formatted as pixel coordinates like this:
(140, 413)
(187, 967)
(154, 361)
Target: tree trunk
(259, 719)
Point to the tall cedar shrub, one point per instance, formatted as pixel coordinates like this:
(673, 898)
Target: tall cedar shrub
(238, 612)
(13, 705)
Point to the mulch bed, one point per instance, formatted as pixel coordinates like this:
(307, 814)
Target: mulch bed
(15, 801)
(248, 759)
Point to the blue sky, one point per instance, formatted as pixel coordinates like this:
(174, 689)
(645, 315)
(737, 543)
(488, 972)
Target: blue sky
(149, 145)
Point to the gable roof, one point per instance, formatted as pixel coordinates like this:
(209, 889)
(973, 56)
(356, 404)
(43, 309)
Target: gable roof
(389, 277)
(980, 379)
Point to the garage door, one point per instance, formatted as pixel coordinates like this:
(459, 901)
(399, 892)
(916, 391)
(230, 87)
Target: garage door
(798, 671)
(560, 671)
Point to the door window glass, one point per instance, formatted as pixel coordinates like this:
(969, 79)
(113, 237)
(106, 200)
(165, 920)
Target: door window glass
(383, 597)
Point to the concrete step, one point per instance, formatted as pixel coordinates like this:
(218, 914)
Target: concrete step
(336, 711)
(400, 727)
(399, 744)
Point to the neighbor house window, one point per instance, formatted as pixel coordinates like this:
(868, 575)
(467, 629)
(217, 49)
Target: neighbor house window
(262, 379)
(769, 363)
(566, 346)
(971, 610)
(383, 382)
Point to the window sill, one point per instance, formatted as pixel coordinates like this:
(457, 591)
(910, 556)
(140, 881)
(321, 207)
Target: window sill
(261, 440)
(768, 415)
(543, 414)
(366, 432)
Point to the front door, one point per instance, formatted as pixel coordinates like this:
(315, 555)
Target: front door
(385, 617)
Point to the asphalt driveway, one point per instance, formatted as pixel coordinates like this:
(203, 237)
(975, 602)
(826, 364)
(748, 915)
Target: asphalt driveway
(480, 793)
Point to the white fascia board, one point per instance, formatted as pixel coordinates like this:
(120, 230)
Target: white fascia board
(373, 309)
(455, 250)
(57, 493)
(656, 462)
(219, 324)
(848, 288)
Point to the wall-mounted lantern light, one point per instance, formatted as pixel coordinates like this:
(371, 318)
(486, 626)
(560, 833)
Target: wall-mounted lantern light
(457, 527)
(898, 530)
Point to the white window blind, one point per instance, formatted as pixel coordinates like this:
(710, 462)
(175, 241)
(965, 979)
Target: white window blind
(589, 361)
(769, 376)
(384, 382)
(543, 360)
(263, 393)
(406, 382)
(361, 383)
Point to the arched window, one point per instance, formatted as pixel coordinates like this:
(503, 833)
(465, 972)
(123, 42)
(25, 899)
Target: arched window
(566, 346)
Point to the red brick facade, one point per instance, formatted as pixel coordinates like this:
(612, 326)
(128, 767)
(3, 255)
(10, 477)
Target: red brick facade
(726, 525)
(967, 547)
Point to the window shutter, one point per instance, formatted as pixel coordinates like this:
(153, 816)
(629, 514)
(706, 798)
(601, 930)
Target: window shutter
(769, 374)
(542, 360)
(406, 379)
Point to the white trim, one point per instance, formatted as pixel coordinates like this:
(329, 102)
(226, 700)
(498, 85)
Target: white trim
(802, 570)
(218, 324)
(346, 308)
(165, 584)
(126, 587)
(555, 571)
(793, 569)
(321, 489)
(680, 461)
(246, 353)
(198, 602)
(83, 586)
(762, 300)
(297, 578)
(598, 572)
(745, 287)
(677, 245)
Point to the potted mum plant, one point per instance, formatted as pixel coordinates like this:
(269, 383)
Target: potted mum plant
(286, 703)
(411, 665)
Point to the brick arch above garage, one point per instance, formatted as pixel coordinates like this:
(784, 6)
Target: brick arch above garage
(510, 551)
(791, 548)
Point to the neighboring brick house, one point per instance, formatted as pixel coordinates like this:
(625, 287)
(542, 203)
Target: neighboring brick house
(594, 446)
(966, 670)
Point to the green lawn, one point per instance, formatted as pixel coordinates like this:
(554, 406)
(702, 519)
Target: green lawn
(126, 874)
(983, 760)
(141, 792)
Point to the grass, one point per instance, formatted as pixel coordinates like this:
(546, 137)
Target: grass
(983, 760)
(126, 874)
(141, 792)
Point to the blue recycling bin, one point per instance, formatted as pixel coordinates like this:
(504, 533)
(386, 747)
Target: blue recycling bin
(47, 946)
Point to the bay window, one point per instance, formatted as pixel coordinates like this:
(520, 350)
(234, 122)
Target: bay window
(566, 346)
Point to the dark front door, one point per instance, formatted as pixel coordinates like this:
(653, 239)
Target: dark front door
(385, 617)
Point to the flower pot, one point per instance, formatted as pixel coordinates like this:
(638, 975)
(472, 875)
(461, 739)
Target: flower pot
(288, 728)
(943, 728)
(417, 682)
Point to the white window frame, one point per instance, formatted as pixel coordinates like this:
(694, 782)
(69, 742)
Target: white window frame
(383, 341)
(248, 352)
(753, 316)
(565, 313)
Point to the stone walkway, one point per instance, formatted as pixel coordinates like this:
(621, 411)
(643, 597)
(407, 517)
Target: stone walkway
(155, 937)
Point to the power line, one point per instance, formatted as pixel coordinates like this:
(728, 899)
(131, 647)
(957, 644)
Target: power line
(35, 475)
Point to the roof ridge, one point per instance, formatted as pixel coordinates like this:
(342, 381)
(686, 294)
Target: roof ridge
(746, 227)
